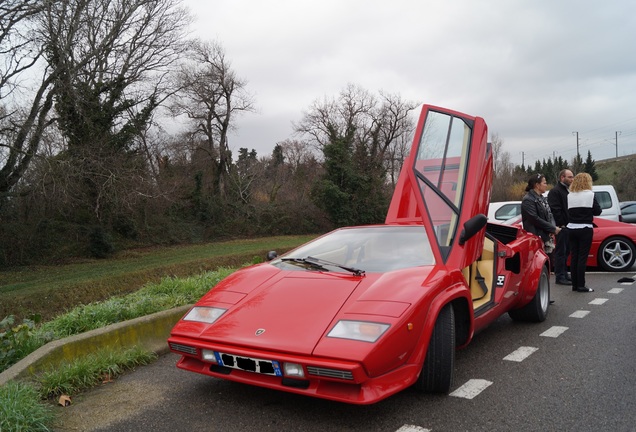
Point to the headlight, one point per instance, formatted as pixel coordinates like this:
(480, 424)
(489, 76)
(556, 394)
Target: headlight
(204, 314)
(293, 370)
(358, 330)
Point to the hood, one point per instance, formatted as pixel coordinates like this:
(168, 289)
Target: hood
(290, 313)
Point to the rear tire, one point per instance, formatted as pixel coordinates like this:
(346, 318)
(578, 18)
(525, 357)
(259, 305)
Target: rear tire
(439, 367)
(537, 309)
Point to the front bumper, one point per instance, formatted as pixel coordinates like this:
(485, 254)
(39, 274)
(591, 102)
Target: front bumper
(331, 379)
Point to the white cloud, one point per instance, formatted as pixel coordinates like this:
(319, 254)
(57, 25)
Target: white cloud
(536, 70)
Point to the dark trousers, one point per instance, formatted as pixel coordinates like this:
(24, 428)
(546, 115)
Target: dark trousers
(580, 243)
(560, 254)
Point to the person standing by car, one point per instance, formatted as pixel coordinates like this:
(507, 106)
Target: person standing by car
(558, 200)
(582, 207)
(536, 215)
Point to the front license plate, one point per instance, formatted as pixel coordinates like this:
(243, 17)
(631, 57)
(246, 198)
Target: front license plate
(267, 367)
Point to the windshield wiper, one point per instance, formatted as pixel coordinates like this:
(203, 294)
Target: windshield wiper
(320, 264)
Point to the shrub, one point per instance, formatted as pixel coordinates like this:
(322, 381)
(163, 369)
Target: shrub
(101, 245)
(17, 341)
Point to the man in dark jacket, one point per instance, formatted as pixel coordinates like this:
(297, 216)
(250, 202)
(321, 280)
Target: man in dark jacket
(558, 200)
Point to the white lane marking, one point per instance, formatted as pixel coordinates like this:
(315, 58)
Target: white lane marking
(554, 331)
(471, 389)
(598, 301)
(615, 291)
(520, 354)
(579, 314)
(412, 428)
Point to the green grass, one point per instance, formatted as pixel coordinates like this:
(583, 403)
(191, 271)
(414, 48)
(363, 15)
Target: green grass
(86, 372)
(152, 297)
(18, 341)
(21, 409)
(50, 290)
(23, 405)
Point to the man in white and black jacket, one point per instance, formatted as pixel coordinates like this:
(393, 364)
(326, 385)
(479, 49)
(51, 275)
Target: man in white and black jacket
(582, 207)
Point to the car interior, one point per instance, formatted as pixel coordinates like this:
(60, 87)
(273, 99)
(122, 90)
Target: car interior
(480, 275)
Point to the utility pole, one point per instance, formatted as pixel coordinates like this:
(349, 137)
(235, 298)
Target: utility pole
(523, 164)
(616, 135)
(577, 144)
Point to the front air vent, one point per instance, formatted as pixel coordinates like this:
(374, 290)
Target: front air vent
(183, 348)
(329, 373)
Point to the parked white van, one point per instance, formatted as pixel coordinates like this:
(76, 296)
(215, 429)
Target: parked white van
(605, 195)
(608, 200)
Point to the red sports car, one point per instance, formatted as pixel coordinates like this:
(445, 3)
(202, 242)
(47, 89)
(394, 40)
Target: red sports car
(613, 244)
(364, 312)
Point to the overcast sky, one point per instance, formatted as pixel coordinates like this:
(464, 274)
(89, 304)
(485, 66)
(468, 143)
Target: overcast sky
(536, 70)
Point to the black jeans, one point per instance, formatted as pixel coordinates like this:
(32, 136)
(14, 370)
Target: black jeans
(561, 252)
(580, 243)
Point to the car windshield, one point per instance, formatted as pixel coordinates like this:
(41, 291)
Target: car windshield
(368, 249)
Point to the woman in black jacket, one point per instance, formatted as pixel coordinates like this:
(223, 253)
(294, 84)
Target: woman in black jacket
(582, 207)
(535, 212)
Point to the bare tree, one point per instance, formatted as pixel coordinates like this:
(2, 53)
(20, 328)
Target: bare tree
(380, 126)
(211, 96)
(114, 74)
(21, 124)
(104, 68)
(359, 135)
(126, 51)
(503, 171)
(296, 153)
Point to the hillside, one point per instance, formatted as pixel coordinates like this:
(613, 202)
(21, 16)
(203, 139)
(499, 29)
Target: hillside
(618, 172)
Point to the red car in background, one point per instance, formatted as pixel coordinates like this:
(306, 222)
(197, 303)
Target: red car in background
(613, 244)
(364, 312)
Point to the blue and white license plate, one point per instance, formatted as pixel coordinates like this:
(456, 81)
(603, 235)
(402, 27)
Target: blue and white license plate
(267, 367)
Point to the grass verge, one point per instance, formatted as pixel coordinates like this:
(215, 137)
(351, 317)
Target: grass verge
(19, 341)
(89, 371)
(48, 291)
(24, 405)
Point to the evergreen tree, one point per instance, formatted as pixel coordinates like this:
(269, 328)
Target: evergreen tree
(351, 191)
(278, 158)
(577, 164)
(550, 171)
(589, 166)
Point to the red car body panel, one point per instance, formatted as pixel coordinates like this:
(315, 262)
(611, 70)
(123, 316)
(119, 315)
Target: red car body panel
(284, 312)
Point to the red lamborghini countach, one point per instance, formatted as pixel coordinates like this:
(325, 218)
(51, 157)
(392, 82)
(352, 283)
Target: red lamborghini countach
(364, 312)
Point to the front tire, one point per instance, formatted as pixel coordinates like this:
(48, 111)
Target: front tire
(616, 254)
(439, 367)
(537, 309)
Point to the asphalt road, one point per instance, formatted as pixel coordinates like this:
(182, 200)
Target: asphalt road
(573, 372)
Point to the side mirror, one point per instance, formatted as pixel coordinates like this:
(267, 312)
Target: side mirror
(472, 227)
(271, 255)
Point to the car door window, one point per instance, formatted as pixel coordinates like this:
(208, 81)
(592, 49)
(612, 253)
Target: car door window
(629, 210)
(604, 199)
(441, 166)
(508, 211)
